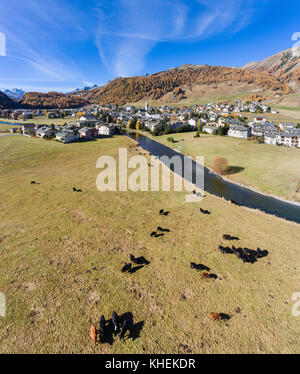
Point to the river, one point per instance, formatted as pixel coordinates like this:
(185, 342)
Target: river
(222, 188)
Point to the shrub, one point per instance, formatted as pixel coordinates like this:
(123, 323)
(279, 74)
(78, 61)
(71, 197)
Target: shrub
(171, 140)
(132, 124)
(222, 130)
(220, 165)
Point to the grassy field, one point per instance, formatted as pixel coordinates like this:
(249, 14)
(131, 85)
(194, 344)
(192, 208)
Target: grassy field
(277, 118)
(297, 109)
(288, 106)
(270, 169)
(42, 120)
(61, 253)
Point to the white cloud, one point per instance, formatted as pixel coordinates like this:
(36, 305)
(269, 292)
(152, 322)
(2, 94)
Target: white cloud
(124, 31)
(129, 29)
(35, 31)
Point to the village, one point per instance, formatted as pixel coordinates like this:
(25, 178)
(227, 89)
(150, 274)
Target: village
(212, 118)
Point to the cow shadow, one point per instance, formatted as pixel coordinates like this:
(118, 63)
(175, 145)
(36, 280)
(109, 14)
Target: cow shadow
(126, 316)
(134, 328)
(135, 269)
(108, 337)
(234, 170)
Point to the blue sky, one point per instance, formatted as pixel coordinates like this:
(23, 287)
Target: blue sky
(64, 44)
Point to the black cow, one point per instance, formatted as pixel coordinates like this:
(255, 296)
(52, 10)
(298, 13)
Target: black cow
(229, 237)
(126, 267)
(75, 190)
(225, 250)
(139, 260)
(163, 230)
(115, 321)
(102, 328)
(242, 257)
(125, 327)
(204, 211)
(199, 267)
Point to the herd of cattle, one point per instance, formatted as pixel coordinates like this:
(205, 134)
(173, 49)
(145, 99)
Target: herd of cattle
(245, 254)
(98, 335)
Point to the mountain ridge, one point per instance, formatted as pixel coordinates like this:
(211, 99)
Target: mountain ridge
(5, 101)
(279, 74)
(14, 93)
(284, 65)
(177, 80)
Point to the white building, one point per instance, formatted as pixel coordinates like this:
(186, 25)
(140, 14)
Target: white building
(227, 111)
(270, 139)
(151, 125)
(45, 132)
(239, 131)
(209, 129)
(192, 122)
(130, 108)
(153, 116)
(257, 130)
(259, 120)
(260, 130)
(106, 130)
(288, 140)
(222, 121)
(67, 136)
(287, 126)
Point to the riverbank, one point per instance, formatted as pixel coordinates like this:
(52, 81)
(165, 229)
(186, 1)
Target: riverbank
(269, 170)
(10, 123)
(222, 188)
